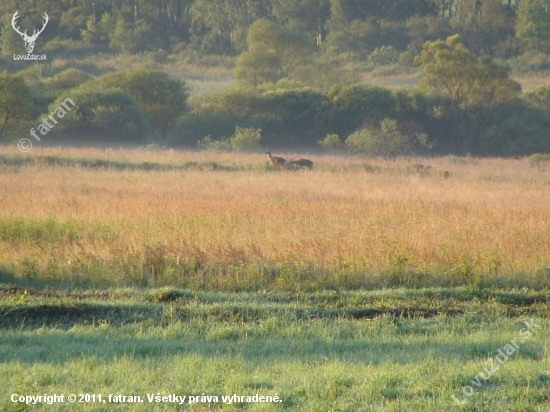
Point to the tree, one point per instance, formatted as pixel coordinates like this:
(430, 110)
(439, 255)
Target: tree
(257, 66)
(15, 100)
(308, 16)
(110, 114)
(470, 85)
(534, 24)
(485, 26)
(221, 25)
(539, 97)
(273, 53)
(163, 99)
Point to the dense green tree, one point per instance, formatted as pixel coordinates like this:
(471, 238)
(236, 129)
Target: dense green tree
(99, 32)
(257, 66)
(485, 26)
(307, 16)
(387, 141)
(15, 100)
(273, 53)
(222, 25)
(107, 115)
(133, 37)
(534, 24)
(470, 85)
(349, 107)
(539, 97)
(163, 99)
(518, 128)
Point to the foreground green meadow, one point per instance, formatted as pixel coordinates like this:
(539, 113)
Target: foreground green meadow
(358, 286)
(346, 351)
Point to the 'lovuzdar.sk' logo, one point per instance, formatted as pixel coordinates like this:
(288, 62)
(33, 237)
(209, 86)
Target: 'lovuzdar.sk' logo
(29, 40)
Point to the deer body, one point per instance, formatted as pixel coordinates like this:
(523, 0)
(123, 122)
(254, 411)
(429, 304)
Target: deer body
(277, 161)
(445, 175)
(301, 163)
(29, 40)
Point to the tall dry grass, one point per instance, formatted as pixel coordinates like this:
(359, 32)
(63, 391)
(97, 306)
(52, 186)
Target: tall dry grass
(349, 223)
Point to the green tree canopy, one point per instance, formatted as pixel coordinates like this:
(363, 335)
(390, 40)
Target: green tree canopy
(15, 101)
(105, 114)
(273, 53)
(163, 99)
(534, 24)
(387, 141)
(471, 85)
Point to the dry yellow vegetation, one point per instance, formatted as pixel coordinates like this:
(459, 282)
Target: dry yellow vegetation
(348, 223)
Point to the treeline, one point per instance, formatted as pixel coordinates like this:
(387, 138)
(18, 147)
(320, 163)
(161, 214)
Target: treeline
(297, 66)
(342, 29)
(463, 105)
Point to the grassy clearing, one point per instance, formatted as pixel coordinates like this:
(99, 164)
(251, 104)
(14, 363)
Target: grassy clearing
(233, 222)
(360, 285)
(308, 349)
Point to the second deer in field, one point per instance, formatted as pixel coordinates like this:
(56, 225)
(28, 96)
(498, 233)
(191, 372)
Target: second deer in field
(277, 161)
(301, 163)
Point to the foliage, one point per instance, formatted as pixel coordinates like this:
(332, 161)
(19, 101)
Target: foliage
(163, 99)
(331, 142)
(387, 142)
(133, 37)
(207, 143)
(15, 101)
(273, 53)
(195, 125)
(384, 55)
(533, 25)
(470, 85)
(519, 128)
(539, 97)
(67, 79)
(246, 139)
(334, 27)
(107, 115)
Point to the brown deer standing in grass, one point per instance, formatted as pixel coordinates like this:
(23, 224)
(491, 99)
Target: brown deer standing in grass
(277, 161)
(301, 163)
(445, 175)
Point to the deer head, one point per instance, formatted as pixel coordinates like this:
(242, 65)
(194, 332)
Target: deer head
(29, 40)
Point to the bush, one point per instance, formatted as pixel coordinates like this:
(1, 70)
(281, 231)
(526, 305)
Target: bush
(352, 106)
(194, 126)
(163, 99)
(103, 114)
(215, 145)
(383, 56)
(388, 141)
(67, 79)
(539, 97)
(331, 142)
(539, 159)
(246, 139)
(530, 62)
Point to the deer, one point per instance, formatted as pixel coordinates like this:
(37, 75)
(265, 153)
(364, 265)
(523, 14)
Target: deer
(277, 161)
(301, 163)
(29, 40)
(445, 175)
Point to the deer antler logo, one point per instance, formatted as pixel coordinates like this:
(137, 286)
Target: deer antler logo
(29, 40)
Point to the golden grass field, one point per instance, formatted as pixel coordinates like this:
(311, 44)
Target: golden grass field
(349, 223)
